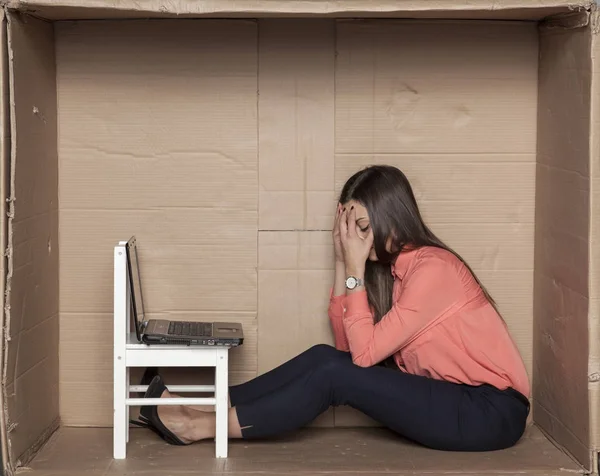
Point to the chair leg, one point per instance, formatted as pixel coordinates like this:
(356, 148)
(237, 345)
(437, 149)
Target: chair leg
(121, 422)
(222, 400)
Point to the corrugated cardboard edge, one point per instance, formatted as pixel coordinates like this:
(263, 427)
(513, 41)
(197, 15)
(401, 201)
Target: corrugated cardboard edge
(87, 9)
(575, 19)
(564, 379)
(13, 462)
(4, 160)
(594, 311)
(8, 204)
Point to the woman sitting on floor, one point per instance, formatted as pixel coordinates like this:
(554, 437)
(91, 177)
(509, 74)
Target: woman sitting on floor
(419, 343)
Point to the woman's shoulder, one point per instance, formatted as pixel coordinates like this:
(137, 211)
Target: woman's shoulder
(433, 253)
(425, 257)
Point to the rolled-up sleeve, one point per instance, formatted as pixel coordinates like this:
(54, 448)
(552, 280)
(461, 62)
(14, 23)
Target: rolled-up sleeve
(336, 318)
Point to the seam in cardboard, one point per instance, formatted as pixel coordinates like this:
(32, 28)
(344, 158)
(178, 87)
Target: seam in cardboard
(593, 324)
(37, 445)
(258, 128)
(556, 443)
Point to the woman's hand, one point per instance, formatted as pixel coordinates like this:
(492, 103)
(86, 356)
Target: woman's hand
(356, 248)
(337, 241)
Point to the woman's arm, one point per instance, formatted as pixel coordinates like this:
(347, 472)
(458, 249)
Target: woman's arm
(429, 292)
(337, 303)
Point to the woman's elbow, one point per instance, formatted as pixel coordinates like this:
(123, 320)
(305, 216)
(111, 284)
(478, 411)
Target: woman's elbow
(362, 360)
(342, 346)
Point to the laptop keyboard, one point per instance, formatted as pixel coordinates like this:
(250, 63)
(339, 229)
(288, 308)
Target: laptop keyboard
(195, 329)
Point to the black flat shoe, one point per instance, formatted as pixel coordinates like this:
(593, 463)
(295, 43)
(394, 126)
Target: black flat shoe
(149, 414)
(149, 375)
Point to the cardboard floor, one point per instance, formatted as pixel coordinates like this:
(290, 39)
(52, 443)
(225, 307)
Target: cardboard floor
(87, 451)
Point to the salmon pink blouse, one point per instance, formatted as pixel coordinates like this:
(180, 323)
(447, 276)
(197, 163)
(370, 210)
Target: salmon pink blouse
(440, 326)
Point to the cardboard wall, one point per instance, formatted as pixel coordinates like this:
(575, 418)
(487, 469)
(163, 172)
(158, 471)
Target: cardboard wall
(562, 287)
(30, 375)
(240, 229)
(147, 116)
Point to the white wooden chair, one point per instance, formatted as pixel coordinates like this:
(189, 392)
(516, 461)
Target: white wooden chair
(128, 353)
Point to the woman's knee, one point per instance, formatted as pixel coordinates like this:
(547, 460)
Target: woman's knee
(324, 352)
(333, 377)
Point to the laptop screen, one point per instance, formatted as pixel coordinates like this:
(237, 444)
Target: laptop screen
(135, 287)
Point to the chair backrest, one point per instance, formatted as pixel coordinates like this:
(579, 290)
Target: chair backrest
(122, 300)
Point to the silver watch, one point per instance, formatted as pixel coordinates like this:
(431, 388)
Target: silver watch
(353, 283)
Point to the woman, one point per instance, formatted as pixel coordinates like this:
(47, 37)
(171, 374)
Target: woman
(421, 349)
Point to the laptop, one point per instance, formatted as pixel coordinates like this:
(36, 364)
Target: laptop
(167, 332)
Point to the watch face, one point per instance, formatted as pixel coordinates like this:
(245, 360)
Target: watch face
(351, 282)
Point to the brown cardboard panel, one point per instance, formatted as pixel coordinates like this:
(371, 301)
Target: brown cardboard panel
(290, 321)
(31, 365)
(296, 129)
(561, 70)
(484, 9)
(23, 400)
(295, 276)
(155, 129)
(561, 225)
(34, 290)
(410, 87)
(490, 246)
(561, 287)
(290, 251)
(31, 418)
(146, 151)
(158, 120)
(565, 306)
(474, 188)
(43, 338)
(191, 259)
(147, 178)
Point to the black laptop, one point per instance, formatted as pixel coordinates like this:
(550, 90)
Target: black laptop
(167, 332)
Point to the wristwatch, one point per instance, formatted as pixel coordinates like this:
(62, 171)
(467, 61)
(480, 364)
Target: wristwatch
(353, 283)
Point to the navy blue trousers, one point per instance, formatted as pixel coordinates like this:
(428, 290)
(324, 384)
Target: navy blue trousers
(437, 414)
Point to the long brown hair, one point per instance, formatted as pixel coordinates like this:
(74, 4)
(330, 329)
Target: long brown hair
(393, 212)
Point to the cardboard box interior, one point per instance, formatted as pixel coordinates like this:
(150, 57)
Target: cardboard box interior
(222, 145)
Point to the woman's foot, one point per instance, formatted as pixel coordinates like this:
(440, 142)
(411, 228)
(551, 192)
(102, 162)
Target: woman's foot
(149, 416)
(187, 424)
(181, 425)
